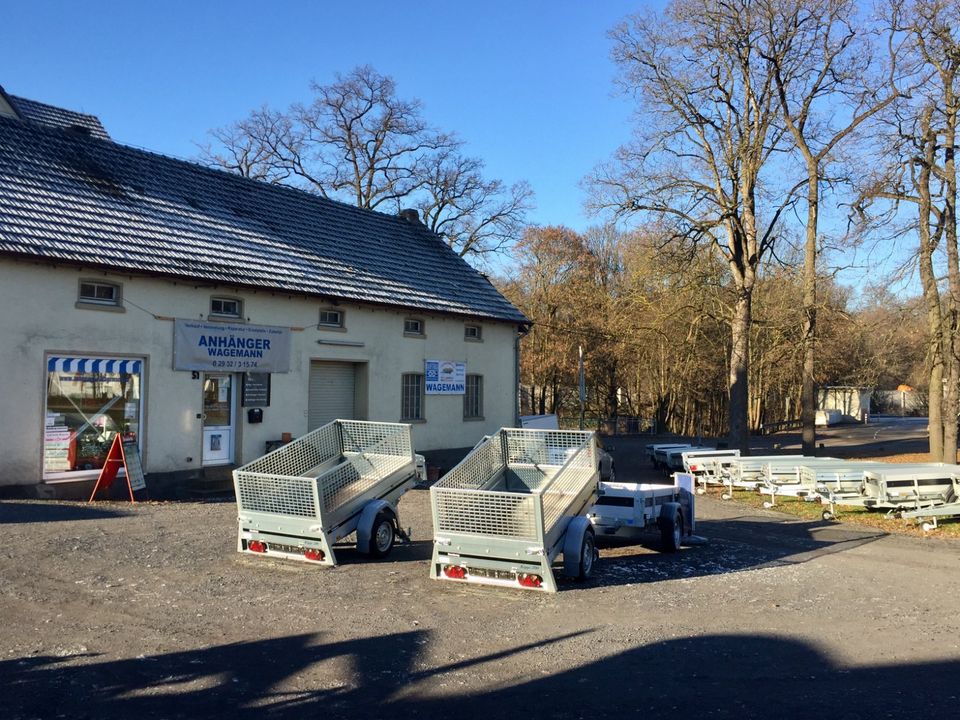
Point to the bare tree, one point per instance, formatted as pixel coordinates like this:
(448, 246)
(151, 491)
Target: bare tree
(821, 55)
(923, 173)
(358, 142)
(703, 160)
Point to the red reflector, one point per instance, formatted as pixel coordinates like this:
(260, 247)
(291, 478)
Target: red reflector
(531, 581)
(455, 572)
(257, 546)
(694, 468)
(313, 554)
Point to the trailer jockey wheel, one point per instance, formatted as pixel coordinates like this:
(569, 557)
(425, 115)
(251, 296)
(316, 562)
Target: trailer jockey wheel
(382, 535)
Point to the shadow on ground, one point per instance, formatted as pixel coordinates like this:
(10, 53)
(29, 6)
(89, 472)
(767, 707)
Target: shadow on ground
(47, 511)
(735, 676)
(733, 545)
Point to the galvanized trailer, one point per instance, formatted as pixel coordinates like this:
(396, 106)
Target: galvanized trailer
(656, 452)
(839, 484)
(512, 506)
(629, 508)
(706, 466)
(783, 478)
(673, 459)
(747, 472)
(907, 488)
(344, 477)
(929, 516)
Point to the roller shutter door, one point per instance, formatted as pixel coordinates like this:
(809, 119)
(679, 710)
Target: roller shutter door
(331, 393)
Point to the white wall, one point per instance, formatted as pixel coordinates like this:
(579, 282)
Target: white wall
(40, 316)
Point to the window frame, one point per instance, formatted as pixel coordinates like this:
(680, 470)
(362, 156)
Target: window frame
(420, 401)
(473, 338)
(421, 333)
(115, 304)
(477, 399)
(321, 325)
(215, 315)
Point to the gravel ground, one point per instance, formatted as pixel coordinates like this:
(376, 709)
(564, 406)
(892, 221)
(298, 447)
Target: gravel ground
(119, 611)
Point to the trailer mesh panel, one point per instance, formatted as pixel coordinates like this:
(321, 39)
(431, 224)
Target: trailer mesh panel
(279, 495)
(490, 513)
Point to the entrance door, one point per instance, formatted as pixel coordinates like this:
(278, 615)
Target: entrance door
(218, 421)
(332, 390)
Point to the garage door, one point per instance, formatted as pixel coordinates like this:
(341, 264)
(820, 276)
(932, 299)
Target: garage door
(331, 393)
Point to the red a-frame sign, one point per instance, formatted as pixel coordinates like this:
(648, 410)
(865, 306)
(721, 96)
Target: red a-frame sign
(126, 453)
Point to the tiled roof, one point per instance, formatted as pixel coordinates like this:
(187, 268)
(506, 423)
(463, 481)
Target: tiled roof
(52, 116)
(73, 199)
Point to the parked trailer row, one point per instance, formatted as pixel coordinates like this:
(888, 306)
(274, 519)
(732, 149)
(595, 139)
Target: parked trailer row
(519, 501)
(922, 491)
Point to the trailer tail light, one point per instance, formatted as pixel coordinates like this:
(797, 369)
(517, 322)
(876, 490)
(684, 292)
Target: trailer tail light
(455, 572)
(529, 581)
(311, 554)
(694, 468)
(257, 546)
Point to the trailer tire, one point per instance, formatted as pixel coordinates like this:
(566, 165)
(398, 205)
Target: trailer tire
(383, 535)
(671, 531)
(588, 556)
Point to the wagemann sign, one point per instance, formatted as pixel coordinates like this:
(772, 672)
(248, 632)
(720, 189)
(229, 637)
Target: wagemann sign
(201, 345)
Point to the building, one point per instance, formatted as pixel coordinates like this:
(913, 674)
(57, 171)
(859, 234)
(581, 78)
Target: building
(208, 315)
(841, 403)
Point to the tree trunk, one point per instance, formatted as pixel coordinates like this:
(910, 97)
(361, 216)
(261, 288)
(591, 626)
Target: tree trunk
(951, 397)
(808, 402)
(739, 367)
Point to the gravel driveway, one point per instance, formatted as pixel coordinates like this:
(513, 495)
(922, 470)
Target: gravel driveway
(119, 611)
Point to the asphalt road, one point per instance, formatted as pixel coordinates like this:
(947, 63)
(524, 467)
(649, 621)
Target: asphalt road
(113, 611)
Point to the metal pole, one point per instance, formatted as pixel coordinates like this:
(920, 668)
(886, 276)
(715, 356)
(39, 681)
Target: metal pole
(583, 386)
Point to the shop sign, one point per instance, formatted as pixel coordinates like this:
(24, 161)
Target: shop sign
(199, 345)
(445, 377)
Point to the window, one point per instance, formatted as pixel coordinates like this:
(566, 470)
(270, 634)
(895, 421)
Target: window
(473, 332)
(226, 307)
(413, 326)
(412, 397)
(473, 398)
(99, 293)
(330, 318)
(89, 400)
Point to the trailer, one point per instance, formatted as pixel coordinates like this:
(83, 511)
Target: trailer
(342, 478)
(673, 459)
(656, 452)
(929, 516)
(839, 484)
(783, 478)
(706, 466)
(512, 506)
(747, 472)
(626, 509)
(909, 488)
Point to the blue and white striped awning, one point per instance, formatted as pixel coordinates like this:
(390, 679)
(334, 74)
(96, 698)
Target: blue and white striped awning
(93, 365)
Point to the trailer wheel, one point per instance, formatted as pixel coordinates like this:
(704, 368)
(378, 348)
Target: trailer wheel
(382, 536)
(827, 515)
(671, 532)
(588, 556)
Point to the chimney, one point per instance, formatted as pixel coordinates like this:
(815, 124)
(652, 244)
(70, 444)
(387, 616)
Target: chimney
(411, 215)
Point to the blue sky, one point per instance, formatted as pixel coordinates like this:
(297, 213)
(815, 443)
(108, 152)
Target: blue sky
(528, 85)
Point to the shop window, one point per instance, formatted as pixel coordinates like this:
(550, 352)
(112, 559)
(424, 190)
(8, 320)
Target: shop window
(95, 292)
(473, 398)
(473, 332)
(412, 397)
(224, 307)
(330, 318)
(89, 401)
(413, 327)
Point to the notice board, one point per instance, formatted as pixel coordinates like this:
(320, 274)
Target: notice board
(255, 390)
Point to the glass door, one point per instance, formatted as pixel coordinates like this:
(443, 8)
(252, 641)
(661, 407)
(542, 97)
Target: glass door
(218, 419)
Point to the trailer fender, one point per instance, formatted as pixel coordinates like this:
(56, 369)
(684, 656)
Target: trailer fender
(367, 517)
(572, 543)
